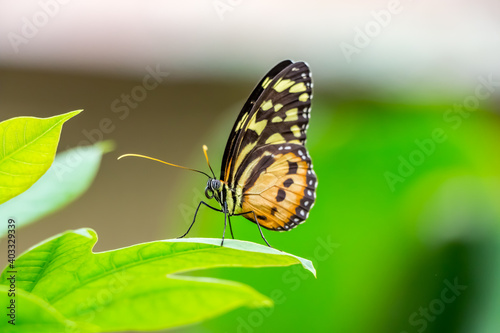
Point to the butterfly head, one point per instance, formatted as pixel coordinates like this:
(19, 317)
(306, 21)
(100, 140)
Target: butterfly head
(213, 188)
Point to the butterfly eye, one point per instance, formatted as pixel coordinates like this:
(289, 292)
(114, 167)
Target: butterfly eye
(215, 184)
(209, 193)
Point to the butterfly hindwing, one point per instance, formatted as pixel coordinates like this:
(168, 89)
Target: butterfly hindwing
(280, 187)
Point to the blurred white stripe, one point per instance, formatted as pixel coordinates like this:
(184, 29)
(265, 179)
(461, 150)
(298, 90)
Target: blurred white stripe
(449, 41)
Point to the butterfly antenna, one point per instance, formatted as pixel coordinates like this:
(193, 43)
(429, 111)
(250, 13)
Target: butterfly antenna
(205, 148)
(157, 160)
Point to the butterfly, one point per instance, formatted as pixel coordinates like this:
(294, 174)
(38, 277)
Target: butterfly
(266, 174)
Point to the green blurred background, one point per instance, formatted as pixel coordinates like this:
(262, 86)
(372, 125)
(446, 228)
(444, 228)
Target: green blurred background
(404, 133)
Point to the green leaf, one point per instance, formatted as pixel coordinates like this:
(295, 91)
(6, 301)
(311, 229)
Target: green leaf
(139, 287)
(68, 177)
(27, 148)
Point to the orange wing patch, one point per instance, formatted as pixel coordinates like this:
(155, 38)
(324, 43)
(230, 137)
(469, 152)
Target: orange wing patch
(282, 188)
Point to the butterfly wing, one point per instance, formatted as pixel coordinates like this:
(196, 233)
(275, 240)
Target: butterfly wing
(266, 152)
(237, 134)
(281, 187)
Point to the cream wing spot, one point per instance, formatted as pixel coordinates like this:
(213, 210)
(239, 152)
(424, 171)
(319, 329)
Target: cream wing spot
(242, 121)
(296, 131)
(276, 120)
(282, 85)
(304, 97)
(243, 153)
(266, 82)
(267, 105)
(275, 138)
(258, 127)
(292, 115)
(299, 87)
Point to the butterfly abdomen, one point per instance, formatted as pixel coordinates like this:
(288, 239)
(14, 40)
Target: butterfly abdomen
(232, 199)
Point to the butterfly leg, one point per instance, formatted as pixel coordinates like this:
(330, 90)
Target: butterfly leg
(196, 213)
(225, 223)
(258, 225)
(260, 230)
(230, 227)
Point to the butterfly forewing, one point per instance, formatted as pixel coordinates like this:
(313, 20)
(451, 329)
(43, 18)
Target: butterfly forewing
(236, 133)
(266, 166)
